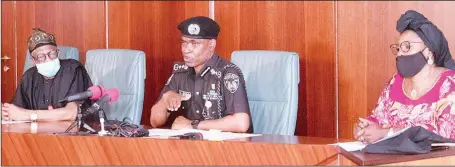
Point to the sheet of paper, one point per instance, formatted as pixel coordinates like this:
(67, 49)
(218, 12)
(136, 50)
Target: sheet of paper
(443, 144)
(351, 146)
(207, 135)
(13, 122)
(357, 145)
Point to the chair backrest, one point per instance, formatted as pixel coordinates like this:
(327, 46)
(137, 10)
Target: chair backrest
(122, 69)
(66, 52)
(272, 79)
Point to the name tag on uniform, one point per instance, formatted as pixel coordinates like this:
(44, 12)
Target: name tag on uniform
(212, 95)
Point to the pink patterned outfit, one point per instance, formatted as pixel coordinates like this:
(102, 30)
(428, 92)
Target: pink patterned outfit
(434, 110)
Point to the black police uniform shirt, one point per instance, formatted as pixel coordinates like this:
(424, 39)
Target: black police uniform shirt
(36, 93)
(216, 91)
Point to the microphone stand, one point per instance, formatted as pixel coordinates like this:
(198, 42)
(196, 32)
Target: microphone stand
(79, 117)
(102, 132)
(78, 120)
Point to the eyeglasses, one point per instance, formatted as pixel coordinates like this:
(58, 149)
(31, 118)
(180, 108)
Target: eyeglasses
(404, 46)
(41, 58)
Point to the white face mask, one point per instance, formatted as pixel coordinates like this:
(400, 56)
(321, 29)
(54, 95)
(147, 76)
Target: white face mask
(49, 69)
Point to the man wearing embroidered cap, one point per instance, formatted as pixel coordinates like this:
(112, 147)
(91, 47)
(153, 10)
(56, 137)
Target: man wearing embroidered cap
(207, 88)
(42, 86)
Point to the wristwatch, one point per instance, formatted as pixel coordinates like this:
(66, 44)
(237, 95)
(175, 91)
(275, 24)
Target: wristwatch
(195, 123)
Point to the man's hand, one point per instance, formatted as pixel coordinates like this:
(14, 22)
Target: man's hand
(181, 123)
(369, 132)
(172, 100)
(13, 112)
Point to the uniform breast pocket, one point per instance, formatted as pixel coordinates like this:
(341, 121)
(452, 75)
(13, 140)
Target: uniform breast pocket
(186, 98)
(185, 95)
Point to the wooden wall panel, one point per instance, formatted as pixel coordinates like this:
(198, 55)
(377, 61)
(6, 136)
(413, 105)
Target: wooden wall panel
(151, 27)
(303, 27)
(365, 32)
(80, 24)
(320, 97)
(8, 77)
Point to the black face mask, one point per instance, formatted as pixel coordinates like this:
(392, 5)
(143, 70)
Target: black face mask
(408, 66)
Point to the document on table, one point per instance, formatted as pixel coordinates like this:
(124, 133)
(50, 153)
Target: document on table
(13, 122)
(351, 146)
(357, 145)
(443, 144)
(207, 135)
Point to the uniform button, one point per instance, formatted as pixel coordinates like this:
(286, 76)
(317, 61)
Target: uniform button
(47, 100)
(197, 111)
(183, 107)
(197, 93)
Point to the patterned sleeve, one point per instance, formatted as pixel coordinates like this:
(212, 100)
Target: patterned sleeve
(380, 113)
(445, 110)
(445, 122)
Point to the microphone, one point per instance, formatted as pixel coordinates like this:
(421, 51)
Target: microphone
(93, 92)
(110, 96)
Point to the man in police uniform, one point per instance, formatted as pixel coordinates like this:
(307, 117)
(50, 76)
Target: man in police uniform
(210, 90)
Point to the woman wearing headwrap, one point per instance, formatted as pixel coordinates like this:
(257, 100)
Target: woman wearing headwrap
(422, 93)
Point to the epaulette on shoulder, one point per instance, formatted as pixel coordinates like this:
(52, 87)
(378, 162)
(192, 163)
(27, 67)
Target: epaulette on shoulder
(231, 66)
